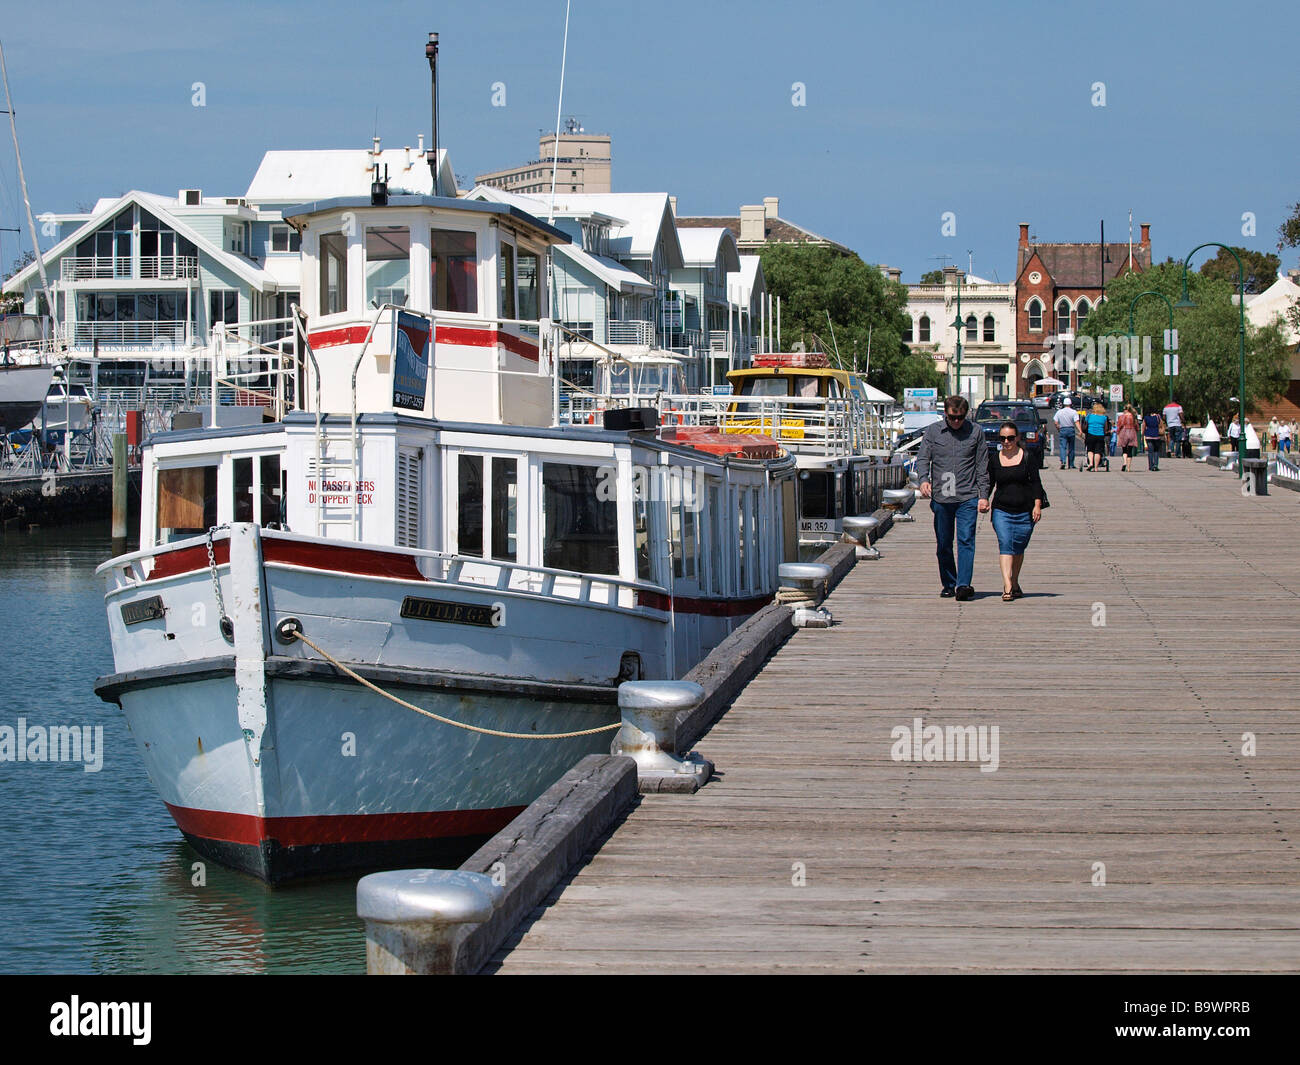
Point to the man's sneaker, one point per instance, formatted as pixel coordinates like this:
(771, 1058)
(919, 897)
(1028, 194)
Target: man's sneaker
(965, 592)
(948, 593)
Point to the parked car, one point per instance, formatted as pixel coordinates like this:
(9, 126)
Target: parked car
(990, 415)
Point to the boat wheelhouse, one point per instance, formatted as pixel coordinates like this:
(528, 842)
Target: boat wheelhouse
(424, 521)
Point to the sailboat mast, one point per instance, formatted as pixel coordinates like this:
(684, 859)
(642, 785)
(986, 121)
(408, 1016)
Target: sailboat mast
(22, 181)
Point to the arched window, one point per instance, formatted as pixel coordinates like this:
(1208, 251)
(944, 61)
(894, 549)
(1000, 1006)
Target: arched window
(988, 329)
(1036, 315)
(972, 328)
(907, 332)
(1063, 315)
(1081, 311)
(923, 329)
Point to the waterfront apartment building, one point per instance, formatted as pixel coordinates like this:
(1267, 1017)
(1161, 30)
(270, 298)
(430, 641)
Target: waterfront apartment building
(988, 332)
(582, 163)
(1057, 286)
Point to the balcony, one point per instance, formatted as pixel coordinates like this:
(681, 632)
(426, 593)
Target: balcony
(129, 334)
(108, 267)
(631, 331)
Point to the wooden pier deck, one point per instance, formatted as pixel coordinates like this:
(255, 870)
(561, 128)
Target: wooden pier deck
(1119, 744)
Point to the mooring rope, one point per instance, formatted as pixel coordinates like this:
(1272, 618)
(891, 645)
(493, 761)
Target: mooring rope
(299, 634)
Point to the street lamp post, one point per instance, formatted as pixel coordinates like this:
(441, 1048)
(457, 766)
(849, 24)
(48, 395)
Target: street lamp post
(960, 326)
(1186, 301)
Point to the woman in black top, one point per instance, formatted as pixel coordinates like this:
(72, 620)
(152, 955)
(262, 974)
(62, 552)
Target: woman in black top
(1017, 505)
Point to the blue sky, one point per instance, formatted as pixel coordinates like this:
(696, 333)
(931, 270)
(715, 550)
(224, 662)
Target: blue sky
(911, 110)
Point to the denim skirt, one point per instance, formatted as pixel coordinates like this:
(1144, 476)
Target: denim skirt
(1013, 530)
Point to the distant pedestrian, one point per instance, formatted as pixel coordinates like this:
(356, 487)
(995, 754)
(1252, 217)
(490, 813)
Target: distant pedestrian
(1127, 435)
(1067, 420)
(1151, 433)
(1274, 432)
(953, 466)
(1234, 433)
(1017, 501)
(1286, 431)
(1173, 414)
(1097, 426)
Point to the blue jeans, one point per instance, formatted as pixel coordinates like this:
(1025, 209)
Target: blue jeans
(1066, 446)
(1153, 452)
(955, 521)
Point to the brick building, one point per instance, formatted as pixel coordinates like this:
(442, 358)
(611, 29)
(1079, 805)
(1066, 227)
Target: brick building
(1057, 285)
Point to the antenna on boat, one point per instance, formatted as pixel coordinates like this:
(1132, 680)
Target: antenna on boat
(836, 345)
(559, 106)
(431, 54)
(22, 181)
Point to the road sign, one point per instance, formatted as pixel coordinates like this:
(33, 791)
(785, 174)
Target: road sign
(1117, 393)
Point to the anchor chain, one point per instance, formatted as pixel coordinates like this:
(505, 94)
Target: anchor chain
(225, 624)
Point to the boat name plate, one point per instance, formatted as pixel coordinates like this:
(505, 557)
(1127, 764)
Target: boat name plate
(150, 609)
(453, 613)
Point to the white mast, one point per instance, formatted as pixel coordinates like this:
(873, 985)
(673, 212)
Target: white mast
(559, 106)
(22, 181)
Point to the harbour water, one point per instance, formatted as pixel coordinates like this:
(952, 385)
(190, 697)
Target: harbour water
(94, 876)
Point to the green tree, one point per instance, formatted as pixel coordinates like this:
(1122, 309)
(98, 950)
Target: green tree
(865, 309)
(1259, 267)
(1288, 234)
(932, 277)
(1208, 350)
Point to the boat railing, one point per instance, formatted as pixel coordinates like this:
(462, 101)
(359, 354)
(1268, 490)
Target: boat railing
(818, 425)
(257, 362)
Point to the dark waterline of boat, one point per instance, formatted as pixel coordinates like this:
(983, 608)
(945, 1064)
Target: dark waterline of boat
(94, 876)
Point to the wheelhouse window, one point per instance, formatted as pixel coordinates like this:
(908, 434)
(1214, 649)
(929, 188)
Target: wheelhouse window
(529, 272)
(333, 273)
(388, 265)
(506, 281)
(988, 329)
(1063, 316)
(923, 329)
(580, 527)
(1036, 315)
(453, 259)
(187, 502)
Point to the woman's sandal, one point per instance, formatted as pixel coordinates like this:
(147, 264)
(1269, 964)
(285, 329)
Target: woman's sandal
(1008, 596)
(1016, 593)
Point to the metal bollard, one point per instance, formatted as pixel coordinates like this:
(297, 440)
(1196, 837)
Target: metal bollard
(649, 734)
(803, 586)
(859, 528)
(416, 919)
(900, 501)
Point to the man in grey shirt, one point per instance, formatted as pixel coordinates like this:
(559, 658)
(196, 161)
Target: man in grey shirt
(952, 464)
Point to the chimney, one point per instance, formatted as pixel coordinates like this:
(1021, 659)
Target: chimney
(770, 205)
(1024, 234)
(419, 145)
(1146, 233)
(672, 205)
(753, 223)
(375, 152)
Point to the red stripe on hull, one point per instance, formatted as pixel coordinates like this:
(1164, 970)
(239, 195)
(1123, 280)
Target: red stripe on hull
(358, 560)
(465, 336)
(713, 608)
(171, 563)
(253, 831)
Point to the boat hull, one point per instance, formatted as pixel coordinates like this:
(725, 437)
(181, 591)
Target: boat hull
(22, 391)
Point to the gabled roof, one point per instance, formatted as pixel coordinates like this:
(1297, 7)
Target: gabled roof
(314, 174)
(1080, 266)
(609, 270)
(775, 230)
(153, 203)
(702, 247)
(741, 283)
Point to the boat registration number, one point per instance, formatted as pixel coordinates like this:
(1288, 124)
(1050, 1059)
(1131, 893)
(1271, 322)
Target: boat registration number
(487, 617)
(150, 609)
(816, 525)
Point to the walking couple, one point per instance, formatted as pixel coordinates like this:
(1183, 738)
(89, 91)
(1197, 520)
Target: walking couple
(959, 475)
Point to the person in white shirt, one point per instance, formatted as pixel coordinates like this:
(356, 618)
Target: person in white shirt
(1066, 420)
(1174, 423)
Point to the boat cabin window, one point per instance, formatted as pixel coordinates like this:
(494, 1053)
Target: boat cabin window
(529, 272)
(506, 281)
(641, 538)
(765, 386)
(497, 512)
(453, 259)
(258, 501)
(187, 502)
(333, 273)
(580, 527)
(686, 493)
(818, 494)
(805, 386)
(388, 265)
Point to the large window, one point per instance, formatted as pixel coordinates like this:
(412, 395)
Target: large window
(497, 512)
(907, 331)
(388, 265)
(580, 530)
(1081, 312)
(972, 329)
(923, 329)
(223, 306)
(187, 502)
(529, 273)
(333, 273)
(1036, 315)
(285, 238)
(1063, 316)
(988, 329)
(506, 281)
(454, 266)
